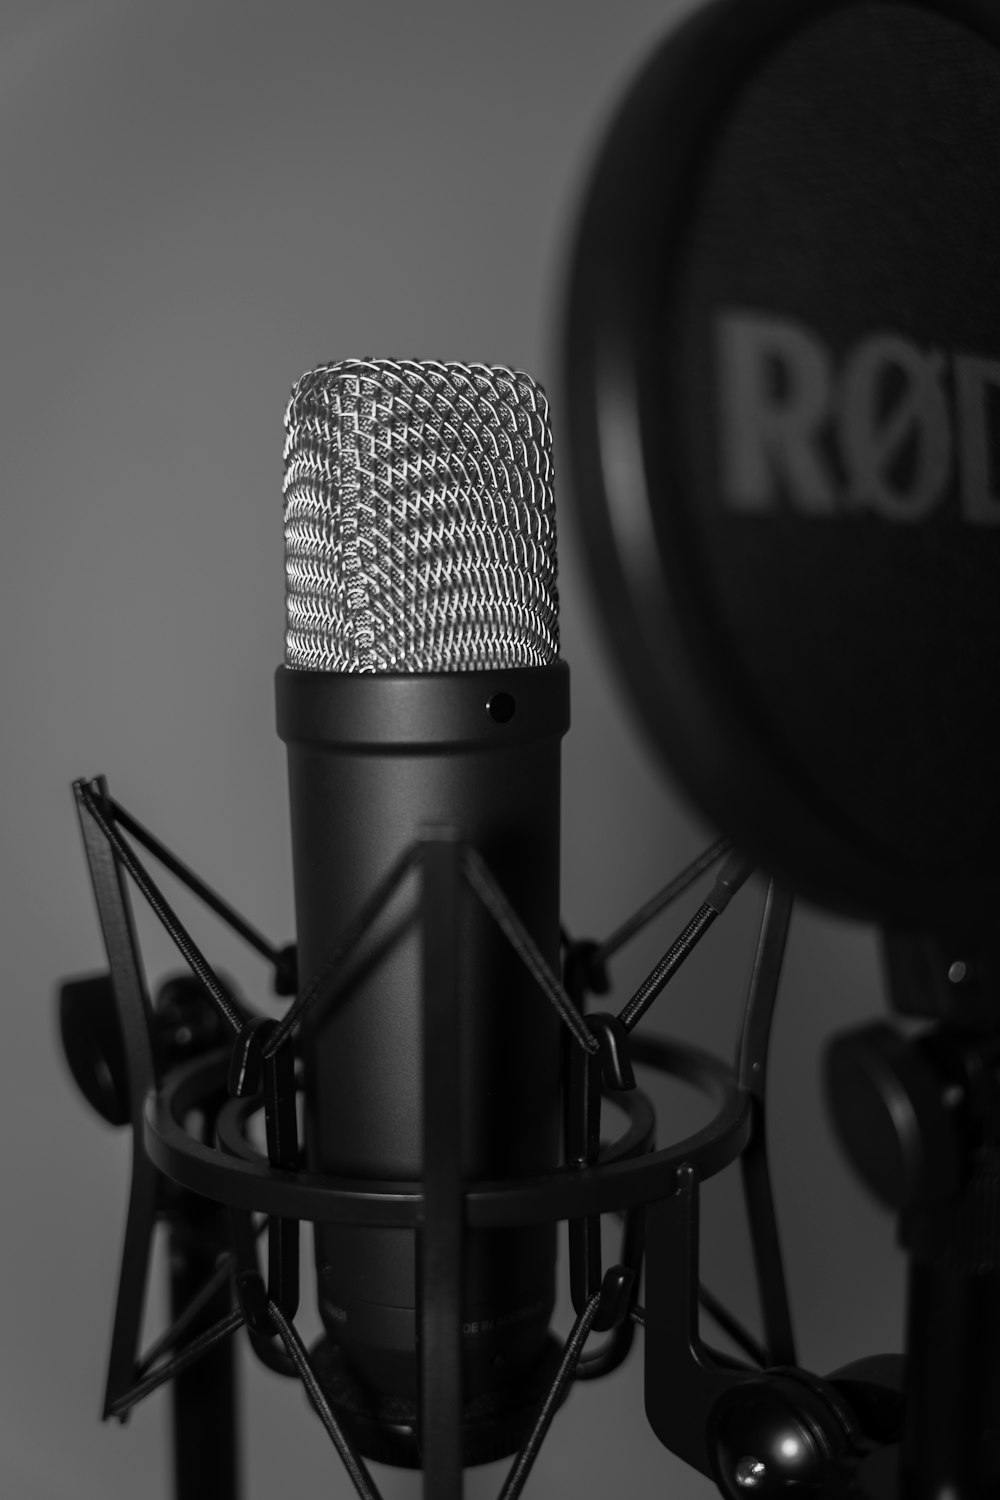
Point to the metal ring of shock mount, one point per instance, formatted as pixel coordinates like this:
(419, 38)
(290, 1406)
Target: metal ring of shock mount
(627, 1174)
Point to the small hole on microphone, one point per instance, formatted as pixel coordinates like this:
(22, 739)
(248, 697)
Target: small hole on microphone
(501, 708)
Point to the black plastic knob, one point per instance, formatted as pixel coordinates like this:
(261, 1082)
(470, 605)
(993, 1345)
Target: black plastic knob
(93, 1044)
(895, 1116)
(185, 1022)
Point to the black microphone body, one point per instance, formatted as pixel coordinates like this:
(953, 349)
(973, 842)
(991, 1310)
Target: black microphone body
(374, 759)
(423, 692)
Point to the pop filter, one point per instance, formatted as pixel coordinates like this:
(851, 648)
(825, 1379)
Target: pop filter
(783, 381)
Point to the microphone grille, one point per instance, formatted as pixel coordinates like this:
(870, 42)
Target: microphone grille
(419, 519)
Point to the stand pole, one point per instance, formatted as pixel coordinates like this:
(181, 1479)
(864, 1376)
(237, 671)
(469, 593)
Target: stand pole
(203, 1396)
(951, 1433)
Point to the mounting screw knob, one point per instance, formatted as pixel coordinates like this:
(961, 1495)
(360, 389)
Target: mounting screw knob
(776, 1434)
(895, 1117)
(185, 1022)
(94, 1046)
(286, 971)
(750, 1474)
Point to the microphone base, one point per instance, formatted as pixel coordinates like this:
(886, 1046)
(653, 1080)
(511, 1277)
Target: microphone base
(384, 1429)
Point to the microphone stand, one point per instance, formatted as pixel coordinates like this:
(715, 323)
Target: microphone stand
(920, 1117)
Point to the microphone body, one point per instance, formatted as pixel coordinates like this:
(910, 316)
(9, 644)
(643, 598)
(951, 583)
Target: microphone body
(373, 759)
(422, 687)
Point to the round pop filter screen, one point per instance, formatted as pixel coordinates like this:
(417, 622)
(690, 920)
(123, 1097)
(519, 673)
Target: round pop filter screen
(784, 389)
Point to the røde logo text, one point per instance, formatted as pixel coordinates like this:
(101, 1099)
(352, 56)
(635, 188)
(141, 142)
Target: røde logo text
(884, 431)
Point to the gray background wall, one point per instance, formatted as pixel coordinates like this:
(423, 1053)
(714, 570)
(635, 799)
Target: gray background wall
(201, 201)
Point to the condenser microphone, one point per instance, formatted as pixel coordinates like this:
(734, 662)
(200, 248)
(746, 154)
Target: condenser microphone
(422, 688)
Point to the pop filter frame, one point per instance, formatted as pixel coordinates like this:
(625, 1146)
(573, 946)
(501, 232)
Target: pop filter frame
(191, 1120)
(893, 828)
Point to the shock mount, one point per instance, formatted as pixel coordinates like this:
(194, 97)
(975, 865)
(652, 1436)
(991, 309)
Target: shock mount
(192, 1069)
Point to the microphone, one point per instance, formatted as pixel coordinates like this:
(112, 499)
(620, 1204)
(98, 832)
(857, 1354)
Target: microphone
(422, 688)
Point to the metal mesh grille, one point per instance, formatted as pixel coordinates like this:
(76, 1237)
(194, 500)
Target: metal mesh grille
(419, 519)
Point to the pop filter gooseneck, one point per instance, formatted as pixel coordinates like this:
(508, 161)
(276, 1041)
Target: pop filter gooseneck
(782, 372)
